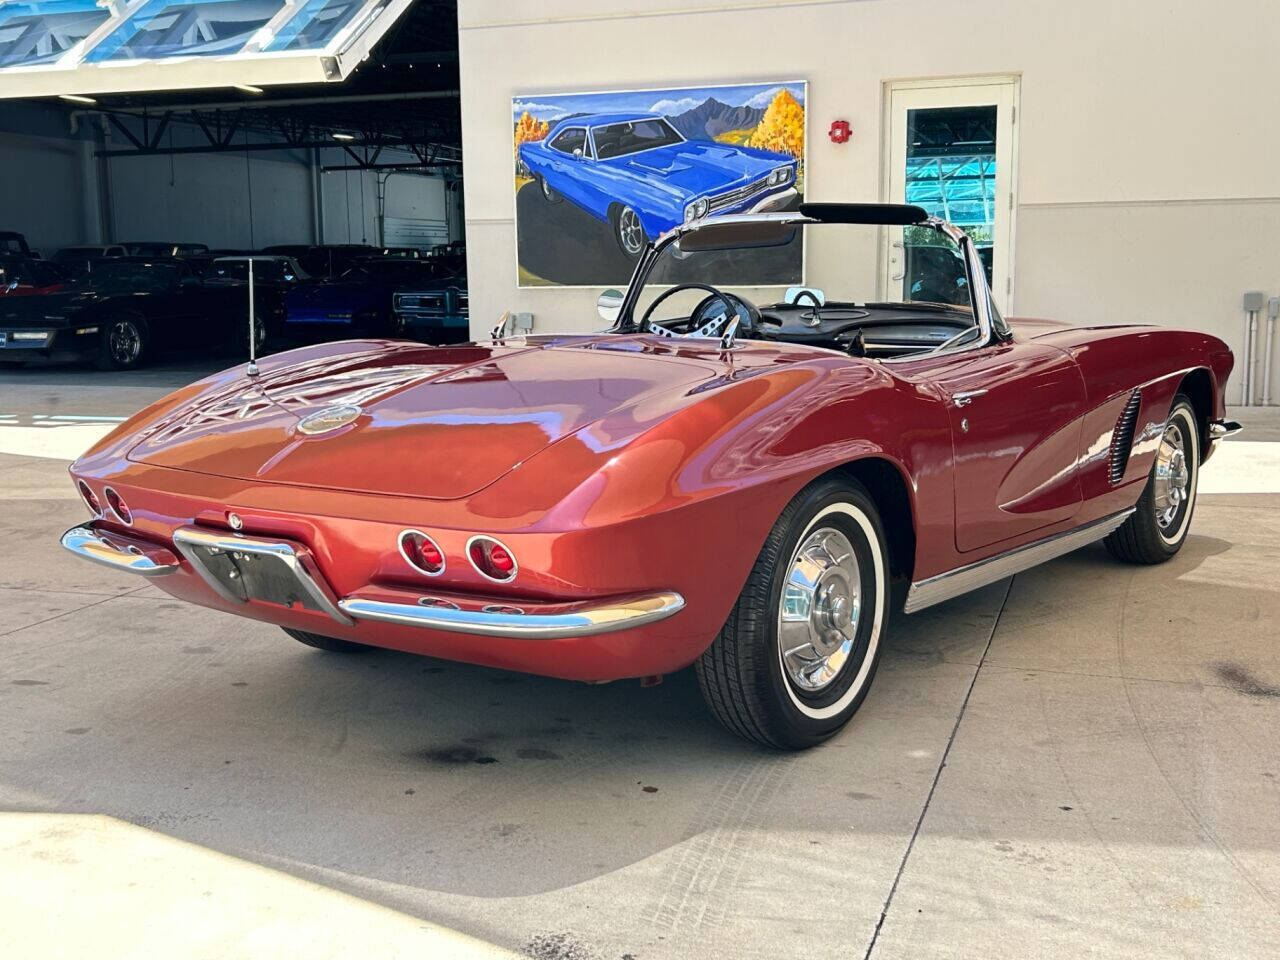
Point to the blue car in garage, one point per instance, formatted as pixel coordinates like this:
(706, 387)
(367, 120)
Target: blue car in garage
(636, 172)
(357, 303)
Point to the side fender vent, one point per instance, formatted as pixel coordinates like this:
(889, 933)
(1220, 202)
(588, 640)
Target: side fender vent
(1122, 438)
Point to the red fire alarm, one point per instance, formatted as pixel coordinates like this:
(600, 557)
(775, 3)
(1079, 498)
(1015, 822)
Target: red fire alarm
(840, 131)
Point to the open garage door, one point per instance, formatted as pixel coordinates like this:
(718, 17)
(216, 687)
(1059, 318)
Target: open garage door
(77, 47)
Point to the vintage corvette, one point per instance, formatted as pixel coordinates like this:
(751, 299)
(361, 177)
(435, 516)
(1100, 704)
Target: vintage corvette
(745, 488)
(635, 172)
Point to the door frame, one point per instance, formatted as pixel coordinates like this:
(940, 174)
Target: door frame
(1003, 294)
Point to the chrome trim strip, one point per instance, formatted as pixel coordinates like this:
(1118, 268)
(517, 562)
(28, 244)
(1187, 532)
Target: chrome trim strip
(944, 586)
(586, 621)
(186, 538)
(89, 544)
(1221, 429)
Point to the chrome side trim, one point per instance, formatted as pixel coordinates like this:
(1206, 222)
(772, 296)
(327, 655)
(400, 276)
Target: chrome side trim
(1221, 429)
(186, 539)
(91, 545)
(926, 593)
(583, 622)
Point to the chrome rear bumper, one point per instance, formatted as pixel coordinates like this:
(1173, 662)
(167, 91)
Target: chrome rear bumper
(120, 553)
(230, 563)
(581, 620)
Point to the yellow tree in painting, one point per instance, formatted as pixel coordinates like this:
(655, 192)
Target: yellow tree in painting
(781, 128)
(528, 128)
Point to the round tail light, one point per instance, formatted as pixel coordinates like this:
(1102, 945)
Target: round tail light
(118, 506)
(422, 553)
(492, 559)
(90, 499)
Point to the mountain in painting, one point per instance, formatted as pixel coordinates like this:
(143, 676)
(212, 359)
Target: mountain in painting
(711, 118)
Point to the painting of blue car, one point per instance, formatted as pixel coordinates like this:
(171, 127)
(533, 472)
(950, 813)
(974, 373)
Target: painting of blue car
(595, 185)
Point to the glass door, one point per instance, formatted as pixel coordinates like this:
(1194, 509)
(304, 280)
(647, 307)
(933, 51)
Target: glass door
(951, 149)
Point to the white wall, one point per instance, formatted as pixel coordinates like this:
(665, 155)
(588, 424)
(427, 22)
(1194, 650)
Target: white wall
(217, 199)
(40, 191)
(1149, 174)
(51, 184)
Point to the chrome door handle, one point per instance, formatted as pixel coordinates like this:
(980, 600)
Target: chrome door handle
(966, 397)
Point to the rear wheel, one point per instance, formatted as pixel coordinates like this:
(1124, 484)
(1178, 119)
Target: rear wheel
(331, 644)
(260, 337)
(798, 653)
(1156, 530)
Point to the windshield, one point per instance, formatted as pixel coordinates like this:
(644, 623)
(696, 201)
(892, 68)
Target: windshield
(839, 259)
(392, 270)
(116, 278)
(267, 270)
(620, 139)
(871, 290)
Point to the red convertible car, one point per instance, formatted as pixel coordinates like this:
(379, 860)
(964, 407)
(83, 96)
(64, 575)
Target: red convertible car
(745, 488)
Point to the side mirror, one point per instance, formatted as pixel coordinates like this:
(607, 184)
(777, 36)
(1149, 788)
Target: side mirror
(577, 153)
(609, 305)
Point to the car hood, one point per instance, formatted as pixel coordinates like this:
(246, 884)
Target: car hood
(46, 310)
(697, 167)
(433, 422)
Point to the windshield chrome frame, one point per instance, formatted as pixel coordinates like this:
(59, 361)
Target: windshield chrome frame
(975, 274)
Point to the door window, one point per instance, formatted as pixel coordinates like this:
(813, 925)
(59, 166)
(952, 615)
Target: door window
(570, 140)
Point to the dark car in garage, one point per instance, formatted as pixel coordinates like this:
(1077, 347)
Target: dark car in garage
(81, 259)
(357, 303)
(323, 260)
(15, 244)
(436, 313)
(25, 277)
(122, 313)
(273, 277)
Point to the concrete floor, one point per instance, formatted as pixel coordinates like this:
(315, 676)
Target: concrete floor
(1081, 761)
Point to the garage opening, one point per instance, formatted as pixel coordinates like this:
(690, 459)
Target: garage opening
(316, 143)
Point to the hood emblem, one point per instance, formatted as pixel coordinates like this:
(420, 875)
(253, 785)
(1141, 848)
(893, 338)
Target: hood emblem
(328, 419)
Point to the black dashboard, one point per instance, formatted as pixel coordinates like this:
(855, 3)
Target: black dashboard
(872, 329)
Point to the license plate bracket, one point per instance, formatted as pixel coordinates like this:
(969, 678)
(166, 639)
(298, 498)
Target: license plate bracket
(246, 569)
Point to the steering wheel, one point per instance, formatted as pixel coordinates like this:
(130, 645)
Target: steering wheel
(745, 312)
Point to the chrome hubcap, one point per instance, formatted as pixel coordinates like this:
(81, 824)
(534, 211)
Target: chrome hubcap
(547, 191)
(1173, 476)
(125, 342)
(630, 231)
(820, 608)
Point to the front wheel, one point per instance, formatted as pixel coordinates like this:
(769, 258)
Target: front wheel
(629, 232)
(549, 192)
(798, 653)
(124, 343)
(1156, 530)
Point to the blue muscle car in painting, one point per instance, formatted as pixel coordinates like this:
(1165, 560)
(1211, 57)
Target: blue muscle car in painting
(637, 173)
